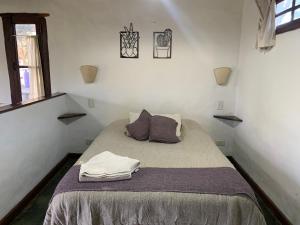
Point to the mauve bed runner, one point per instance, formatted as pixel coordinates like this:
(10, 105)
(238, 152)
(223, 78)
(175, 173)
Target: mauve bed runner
(219, 181)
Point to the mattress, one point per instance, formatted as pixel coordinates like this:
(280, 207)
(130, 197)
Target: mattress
(196, 150)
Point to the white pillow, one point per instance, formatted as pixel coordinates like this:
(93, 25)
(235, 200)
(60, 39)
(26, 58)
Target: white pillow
(134, 116)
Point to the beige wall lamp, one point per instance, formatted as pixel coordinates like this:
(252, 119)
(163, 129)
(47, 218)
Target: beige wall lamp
(88, 73)
(222, 75)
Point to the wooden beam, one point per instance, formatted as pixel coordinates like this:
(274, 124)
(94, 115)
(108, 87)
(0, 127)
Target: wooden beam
(25, 14)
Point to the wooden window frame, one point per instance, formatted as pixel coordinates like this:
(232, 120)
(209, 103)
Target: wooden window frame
(293, 24)
(9, 21)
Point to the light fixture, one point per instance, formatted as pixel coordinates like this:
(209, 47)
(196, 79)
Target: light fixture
(88, 73)
(222, 75)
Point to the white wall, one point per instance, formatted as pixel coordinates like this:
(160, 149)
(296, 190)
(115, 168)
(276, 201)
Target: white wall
(206, 35)
(267, 142)
(184, 84)
(32, 142)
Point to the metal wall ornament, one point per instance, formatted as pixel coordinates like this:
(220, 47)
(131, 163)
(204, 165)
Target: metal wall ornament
(129, 43)
(162, 44)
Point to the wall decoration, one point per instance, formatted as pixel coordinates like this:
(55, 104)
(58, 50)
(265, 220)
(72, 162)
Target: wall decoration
(129, 43)
(162, 44)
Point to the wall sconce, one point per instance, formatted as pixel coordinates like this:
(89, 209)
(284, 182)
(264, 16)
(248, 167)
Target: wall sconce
(88, 73)
(222, 75)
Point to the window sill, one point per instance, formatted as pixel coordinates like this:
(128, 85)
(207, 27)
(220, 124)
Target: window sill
(8, 108)
(293, 25)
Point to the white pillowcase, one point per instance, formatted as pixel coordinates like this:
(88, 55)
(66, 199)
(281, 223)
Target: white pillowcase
(134, 116)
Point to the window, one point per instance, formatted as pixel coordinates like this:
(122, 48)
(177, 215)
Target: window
(287, 15)
(26, 46)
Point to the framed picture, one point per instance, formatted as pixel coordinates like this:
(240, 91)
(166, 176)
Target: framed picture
(162, 44)
(129, 43)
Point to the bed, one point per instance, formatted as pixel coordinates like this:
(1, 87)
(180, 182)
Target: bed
(196, 150)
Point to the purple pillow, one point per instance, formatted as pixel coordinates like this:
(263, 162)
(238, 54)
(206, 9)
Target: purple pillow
(163, 129)
(139, 129)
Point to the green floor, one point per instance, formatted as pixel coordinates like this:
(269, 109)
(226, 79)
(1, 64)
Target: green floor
(34, 213)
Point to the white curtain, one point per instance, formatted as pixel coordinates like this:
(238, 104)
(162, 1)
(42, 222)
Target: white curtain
(35, 69)
(266, 37)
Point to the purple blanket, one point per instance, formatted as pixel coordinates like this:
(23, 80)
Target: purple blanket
(220, 181)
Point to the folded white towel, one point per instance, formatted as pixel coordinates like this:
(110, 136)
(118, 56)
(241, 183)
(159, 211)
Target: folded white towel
(108, 166)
